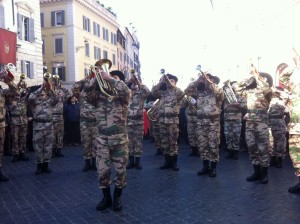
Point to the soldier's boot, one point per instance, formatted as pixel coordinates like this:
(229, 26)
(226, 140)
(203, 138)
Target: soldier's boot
(15, 158)
(229, 154)
(58, 153)
(45, 168)
(295, 189)
(106, 201)
(205, 169)
(213, 169)
(2, 177)
(130, 163)
(94, 165)
(193, 151)
(174, 165)
(87, 165)
(256, 175)
(138, 163)
(158, 152)
(117, 203)
(23, 157)
(39, 169)
(278, 162)
(53, 152)
(167, 163)
(235, 155)
(273, 161)
(264, 175)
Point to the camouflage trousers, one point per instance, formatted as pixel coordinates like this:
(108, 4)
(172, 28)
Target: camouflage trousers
(88, 132)
(257, 139)
(169, 135)
(277, 143)
(156, 134)
(191, 130)
(58, 130)
(209, 141)
(19, 138)
(42, 144)
(2, 138)
(232, 131)
(112, 150)
(294, 150)
(135, 136)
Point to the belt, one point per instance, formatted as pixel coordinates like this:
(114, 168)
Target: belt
(42, 121)
(275, 116)
(88, 120)
(57, 114)
(111, 131)
(257, 111)
(170, 115)
(204, 116)
(135, 117)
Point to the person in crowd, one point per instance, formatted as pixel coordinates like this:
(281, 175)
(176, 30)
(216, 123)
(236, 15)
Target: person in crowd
(170, 98)
(233, 107)
(135, 121)
(209, 101)
(111, 103)
(41, 102)
(58, 117)
(258, 94)
(72, 117)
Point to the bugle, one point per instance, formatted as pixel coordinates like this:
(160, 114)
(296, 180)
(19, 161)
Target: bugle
(6, 74)
(152, 112)
(47, 84)
(229, 93)
(191, 101)
(166, 78)
(135, 79)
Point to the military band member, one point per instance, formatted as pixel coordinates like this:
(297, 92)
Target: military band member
(112, 138)
(170, 98)
(58, 119)
(209, 102)
(135, 121)
(41, 102)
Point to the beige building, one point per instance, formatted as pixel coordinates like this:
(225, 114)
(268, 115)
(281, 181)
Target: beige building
(76, 34)
(21, 33)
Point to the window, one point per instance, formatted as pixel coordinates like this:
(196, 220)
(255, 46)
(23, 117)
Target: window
(97, 53)
(105, 34)
(114, 59)
(105, 54)
(60, 71)
(86, 72)
(86, 24)
(58, 18)
(96, 29)
(27, 68)
(113, 38)
(42, 19)
(87, 49)
(2, 17)
(58, 42)
(25, 28)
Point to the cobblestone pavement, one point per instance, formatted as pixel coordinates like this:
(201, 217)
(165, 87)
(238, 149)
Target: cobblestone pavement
(68, 195)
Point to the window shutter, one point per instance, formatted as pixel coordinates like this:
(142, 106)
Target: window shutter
(31, 30)
(42, 19)
(31, 70)
(63, 74)
(2, 17)
(95, 53)
(22, 66)
(83, 20)
(52, 18)
(89, 29)
(62, 17)
(94, 28)
(20, 22)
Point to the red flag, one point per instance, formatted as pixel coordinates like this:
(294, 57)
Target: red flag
(8, 48)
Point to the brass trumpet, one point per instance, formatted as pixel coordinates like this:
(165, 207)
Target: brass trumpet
(47, 84)
(105, 87)
(136, 81)
(152, 113)
(22, 84)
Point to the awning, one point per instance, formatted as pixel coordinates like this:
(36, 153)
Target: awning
(8, 48)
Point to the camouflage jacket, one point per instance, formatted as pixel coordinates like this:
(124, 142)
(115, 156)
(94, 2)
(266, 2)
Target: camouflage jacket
(42, 110)
(63, 96)
(209, 102)
(170, 101)
(233, 111)
(111, 116)
(276, 113)
(136, 105)
(6, 94)
(258, 101)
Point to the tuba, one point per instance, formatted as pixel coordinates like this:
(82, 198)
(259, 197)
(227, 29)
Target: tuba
(105, 87)
(152, 113)
(229, 93)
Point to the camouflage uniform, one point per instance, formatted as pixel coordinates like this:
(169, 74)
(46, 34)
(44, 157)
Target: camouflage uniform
(135, 124)
(233, 124)
(277, 130)
(58, 119)
(154, 127)
(17, 107)
(42, 126)
(88, 126)
(170, 101)
(209, 102)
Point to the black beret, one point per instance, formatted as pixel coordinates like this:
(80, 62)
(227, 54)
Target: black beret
(119, 74)
(170, 76)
